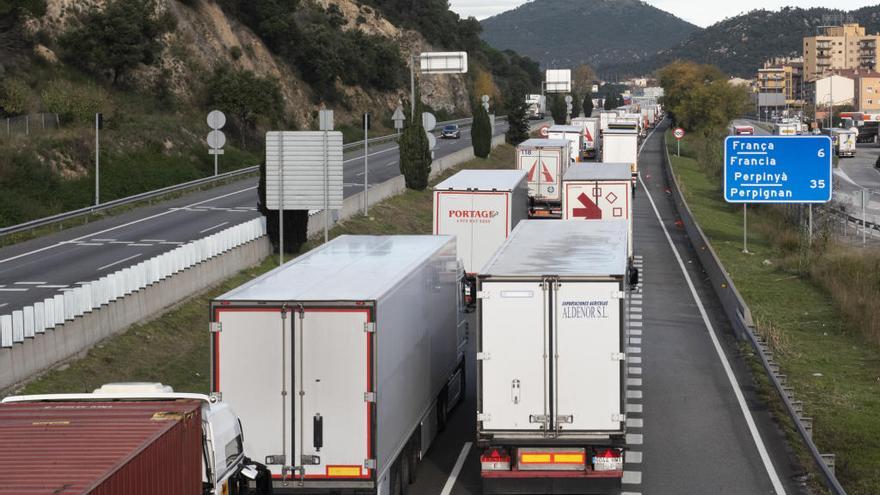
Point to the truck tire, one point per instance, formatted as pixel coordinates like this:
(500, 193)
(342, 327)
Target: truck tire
(396, 484)
(442, 413)
(413, 461)
(405, 472)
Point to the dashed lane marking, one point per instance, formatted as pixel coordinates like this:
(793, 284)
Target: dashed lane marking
(17, 289)
(635, 324)
(633, 408)
(637, 333)
(635, 341)
(212, 228)
(635, 370)
(123, 260)
(634, 439)
(632, 456)
(51, 286)
(633, 394)
(634, 423)
(633, 350)
(635, 360)
(632, 478)
(633, 382)
(30, 283)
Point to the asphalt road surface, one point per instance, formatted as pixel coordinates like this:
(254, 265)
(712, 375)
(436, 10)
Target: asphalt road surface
(34, 270)
(695, 424)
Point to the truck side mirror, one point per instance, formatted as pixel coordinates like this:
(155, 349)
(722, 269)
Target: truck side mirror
(633, 277)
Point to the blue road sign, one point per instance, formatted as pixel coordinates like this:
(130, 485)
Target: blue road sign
(777, 169)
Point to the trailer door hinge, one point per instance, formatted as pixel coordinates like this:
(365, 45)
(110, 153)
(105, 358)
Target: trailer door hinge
(484, 417)
(370, 463)
(482, 294)
(617, 294)
(618, 356)
(566, 418)
(216, 327)
(618, 417)
(369, 396)
(483, 356)
(370, 327)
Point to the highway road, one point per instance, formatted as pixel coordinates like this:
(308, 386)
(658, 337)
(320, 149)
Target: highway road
(696, 424)
(34, 270)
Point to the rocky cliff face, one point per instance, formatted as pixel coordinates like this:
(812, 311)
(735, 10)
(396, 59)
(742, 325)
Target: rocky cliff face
(205, 37)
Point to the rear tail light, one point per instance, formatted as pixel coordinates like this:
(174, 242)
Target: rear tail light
(608, 460)
(495, 460)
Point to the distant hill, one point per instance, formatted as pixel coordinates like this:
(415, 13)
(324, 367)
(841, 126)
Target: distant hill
(739, 45)
(599, 32)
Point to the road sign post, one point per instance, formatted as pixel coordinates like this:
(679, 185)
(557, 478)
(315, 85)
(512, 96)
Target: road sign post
(777, 169)
(679, 134)
(216, 138)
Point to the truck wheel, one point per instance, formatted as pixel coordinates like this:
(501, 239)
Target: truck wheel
(405, 473)
(396, 480)
(413, 462)
(441, 410)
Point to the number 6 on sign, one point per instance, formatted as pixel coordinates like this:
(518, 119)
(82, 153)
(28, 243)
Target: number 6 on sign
(821, 153)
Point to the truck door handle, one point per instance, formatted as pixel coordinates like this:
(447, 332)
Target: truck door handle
(318, 432)
(514, 391)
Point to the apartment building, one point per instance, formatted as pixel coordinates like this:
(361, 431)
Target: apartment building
(840, 48)
(866, 89)
(782, 75)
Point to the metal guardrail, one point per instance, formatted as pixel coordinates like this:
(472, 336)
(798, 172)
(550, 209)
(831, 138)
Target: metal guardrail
(42, 222)
(740, 317)
(35, 319)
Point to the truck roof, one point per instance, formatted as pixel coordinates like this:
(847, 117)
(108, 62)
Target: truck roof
(565, 128)
(483, 180)
(348, 268)
(545, 143)
(72, 448)
(598, 171)
(561, 247)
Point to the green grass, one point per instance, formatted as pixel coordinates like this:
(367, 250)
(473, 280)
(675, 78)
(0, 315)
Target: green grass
(834, 370)
(174, 348)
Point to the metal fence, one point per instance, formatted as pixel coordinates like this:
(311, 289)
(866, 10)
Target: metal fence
(25, 125)
(45, 315)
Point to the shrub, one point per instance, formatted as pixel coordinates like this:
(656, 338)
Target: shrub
(75, 103)
(15, 97)
(245, 96)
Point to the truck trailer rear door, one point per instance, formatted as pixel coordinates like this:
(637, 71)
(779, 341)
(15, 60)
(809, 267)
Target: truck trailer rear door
(513, 356)
(332, 387)
(588, 363)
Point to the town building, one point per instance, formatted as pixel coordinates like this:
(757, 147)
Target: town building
(840, 48)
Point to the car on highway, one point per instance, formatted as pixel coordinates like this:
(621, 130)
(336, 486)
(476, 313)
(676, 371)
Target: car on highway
(743, 130)
(451, 131)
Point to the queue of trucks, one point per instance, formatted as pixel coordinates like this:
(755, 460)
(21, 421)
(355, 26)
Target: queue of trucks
(336, 372)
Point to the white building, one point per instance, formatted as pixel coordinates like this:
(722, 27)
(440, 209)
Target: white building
(836, 90)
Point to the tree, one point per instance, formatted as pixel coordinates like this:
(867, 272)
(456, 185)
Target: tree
(481, 132)
(588, 104)
(518, 124)
(117, 39)
(610, 101)
(243, 95)
(582, 79)
(558, 109)
(14, 97)
(415, 156)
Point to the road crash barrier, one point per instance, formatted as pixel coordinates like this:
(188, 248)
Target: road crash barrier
(41, 335)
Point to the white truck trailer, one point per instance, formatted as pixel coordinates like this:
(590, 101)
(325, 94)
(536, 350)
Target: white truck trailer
(599, 191)
(844, 141)
(605, 118)
(592, 138)
(574, 134)
(621, 145)
(785, 129)
(344, 363)
(536, 106)
(545, 162)
(551, 367)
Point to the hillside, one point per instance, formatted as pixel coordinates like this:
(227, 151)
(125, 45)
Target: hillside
(154, 68)
(739, 45)
(598, 32)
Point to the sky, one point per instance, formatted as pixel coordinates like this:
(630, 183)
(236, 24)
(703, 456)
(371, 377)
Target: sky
(700, 12)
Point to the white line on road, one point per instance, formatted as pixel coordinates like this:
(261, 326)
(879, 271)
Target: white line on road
(459, 463)
(133, 222)
(152, 240)
(51, 286)
(31, 283)
(14, 290)
(101, 240)
(750, 421)
(134, 244)
(214, 227)
(4, 305)
(361, 158)
(120, 261)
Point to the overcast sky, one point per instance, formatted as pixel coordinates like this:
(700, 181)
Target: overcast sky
(700, 12)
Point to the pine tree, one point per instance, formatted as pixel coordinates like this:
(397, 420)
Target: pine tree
(481, 132)
(518, 124)
(610, 100)
(415, 156)
(558, 109)
(588, 104)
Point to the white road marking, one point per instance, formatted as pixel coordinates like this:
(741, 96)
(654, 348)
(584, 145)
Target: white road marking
(632, 478)
(152, 240)
(133, 222)
(120, 261)
(51, 286)
(633, 350)
(14, 290)
(750, 421)
(172, 243)
(4, 305)
(637, 333)
(634, 408)
(361, 158)
(30, 283)
(633, 394)
(133, 244)
(459, 463)
(634, 423)
(635, 370)
(633, 382)
(632, 457)
(635, 341)
(121, 242)
(635, 359)
(89, 243)
(102, 240)
(635, 439)
(635, 324)
(214, 227)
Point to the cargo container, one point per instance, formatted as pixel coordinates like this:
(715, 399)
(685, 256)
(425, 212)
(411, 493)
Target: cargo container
(844, 141)
(605, 118)
(592, 137)
(785, 129)
(344, 363)
(480, 208)
(545, 162)
(573, 134)
(536, 106)
(621, 145)
(599, 191)
(551, 368)
(132, 438)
